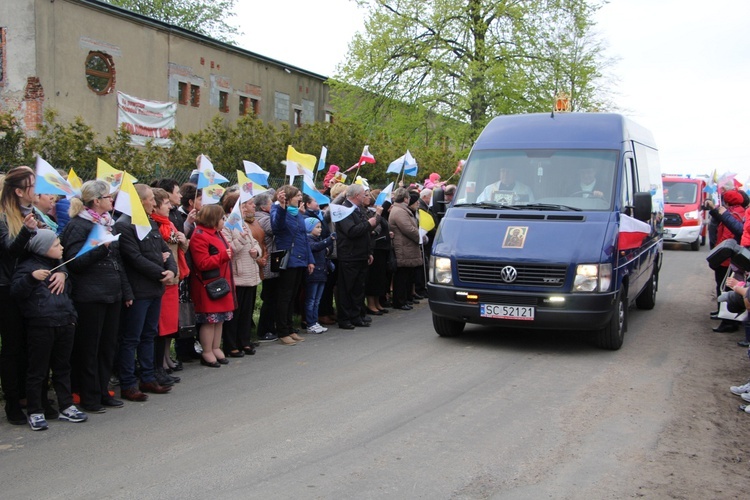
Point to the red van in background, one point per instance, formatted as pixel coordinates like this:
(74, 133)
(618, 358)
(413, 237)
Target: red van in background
(684, 217)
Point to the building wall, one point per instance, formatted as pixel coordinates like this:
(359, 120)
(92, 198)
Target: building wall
(50, 41)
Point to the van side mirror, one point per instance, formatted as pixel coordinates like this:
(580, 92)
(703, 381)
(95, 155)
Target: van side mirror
(438, 202)
(642, 206)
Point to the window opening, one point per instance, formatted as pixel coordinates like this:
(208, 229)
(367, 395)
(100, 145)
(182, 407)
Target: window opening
(100, 72)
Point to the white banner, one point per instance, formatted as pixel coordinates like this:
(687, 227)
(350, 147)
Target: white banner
(146, 120)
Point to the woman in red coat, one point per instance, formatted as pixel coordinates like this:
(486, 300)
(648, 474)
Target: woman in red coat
(211, 260)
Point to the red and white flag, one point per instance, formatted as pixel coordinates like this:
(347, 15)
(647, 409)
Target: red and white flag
(632, 232)
(366, 156)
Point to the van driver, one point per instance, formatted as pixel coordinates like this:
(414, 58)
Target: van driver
(497, 191)
(588, 185)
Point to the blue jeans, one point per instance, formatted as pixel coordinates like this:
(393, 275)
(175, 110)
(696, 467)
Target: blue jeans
(313, 293)
(139, 328)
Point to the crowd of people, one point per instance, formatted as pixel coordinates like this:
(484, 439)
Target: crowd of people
(730, 220)
(105, 317)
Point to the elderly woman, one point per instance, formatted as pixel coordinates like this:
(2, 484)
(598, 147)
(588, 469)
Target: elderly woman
(245, 253)
(170, 301)
(100, 287)
(406, 242)
(289, 231)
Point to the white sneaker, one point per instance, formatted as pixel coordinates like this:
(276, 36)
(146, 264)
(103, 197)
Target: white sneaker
(322, 328)
(746, 396)
(37, 422)
(316, 328)
(740, 389)
(73, 414)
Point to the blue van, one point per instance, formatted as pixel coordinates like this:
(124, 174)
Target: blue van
(556, 224)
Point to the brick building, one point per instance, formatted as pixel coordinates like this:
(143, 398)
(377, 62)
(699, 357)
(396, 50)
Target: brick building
(75, 55)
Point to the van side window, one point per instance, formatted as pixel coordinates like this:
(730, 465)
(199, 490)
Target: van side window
(628, 184)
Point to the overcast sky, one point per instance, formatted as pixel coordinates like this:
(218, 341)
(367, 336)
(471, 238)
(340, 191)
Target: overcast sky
(683, 69)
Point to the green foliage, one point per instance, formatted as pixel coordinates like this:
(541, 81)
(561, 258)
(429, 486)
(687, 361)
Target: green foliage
(12, 141)
(200, 16)
(435, 71)
(75, 145)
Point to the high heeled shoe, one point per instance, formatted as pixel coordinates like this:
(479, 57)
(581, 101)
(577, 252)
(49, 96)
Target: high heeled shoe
(376, 312)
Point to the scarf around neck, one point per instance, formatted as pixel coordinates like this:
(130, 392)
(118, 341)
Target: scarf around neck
(169, 233)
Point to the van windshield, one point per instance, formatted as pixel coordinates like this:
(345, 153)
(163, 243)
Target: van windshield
(559, 179)
(680, 192)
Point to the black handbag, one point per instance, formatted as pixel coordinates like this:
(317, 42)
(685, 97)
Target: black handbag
(279, 260)
(186, 320)
(217, 289)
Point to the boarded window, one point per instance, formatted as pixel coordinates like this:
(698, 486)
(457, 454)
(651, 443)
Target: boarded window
(100, 72)
(195, 95)
(308, 111)
(281, 106)
(224, 102)
(183, 92)
(2, 56)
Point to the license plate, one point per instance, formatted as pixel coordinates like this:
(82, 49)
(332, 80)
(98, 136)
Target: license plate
(497, 311)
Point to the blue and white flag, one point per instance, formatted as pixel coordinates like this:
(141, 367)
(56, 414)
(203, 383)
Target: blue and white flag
(340, 212)
(97, 236)
(410, 164)
(322, 161)
(315, 194)
(207, 176)
(255, 173)
(396, 165)
(49, 180)
(234, 219)
(384, 195)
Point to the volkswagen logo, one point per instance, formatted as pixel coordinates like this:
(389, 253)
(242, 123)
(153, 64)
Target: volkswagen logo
(509, 274)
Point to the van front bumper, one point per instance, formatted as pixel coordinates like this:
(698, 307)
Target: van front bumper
(574, 312)
(682, 234)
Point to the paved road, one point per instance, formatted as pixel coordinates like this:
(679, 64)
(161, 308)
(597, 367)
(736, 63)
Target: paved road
(393, 411)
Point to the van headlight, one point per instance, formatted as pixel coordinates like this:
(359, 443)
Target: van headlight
(440, 270)
(593, 278)
(691, 215)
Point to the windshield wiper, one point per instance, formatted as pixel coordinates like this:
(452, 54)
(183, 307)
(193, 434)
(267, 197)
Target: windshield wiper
(488, 204)
(548, 206)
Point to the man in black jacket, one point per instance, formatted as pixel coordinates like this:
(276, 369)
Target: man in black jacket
(148, 264)
(354, 250)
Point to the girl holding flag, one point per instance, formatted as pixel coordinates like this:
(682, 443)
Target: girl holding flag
(100, 287)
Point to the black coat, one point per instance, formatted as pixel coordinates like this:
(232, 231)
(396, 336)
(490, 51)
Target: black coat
(353, 242)
(11, 251)
(143, 259)
(99, 274)
(38, 305)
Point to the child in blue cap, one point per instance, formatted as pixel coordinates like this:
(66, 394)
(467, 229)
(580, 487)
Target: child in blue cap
(316, 282)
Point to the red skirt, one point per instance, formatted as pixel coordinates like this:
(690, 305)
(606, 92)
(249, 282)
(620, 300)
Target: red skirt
(170, 307)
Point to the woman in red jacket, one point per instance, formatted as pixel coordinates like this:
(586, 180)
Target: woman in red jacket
(211, 260)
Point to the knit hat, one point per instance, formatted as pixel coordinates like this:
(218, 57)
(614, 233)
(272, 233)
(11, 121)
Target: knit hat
(733, 197)
(42, 241)
(413, 197)
(310, 223)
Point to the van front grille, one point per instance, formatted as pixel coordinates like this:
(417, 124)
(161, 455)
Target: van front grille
(672, 220)
(490, 273)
